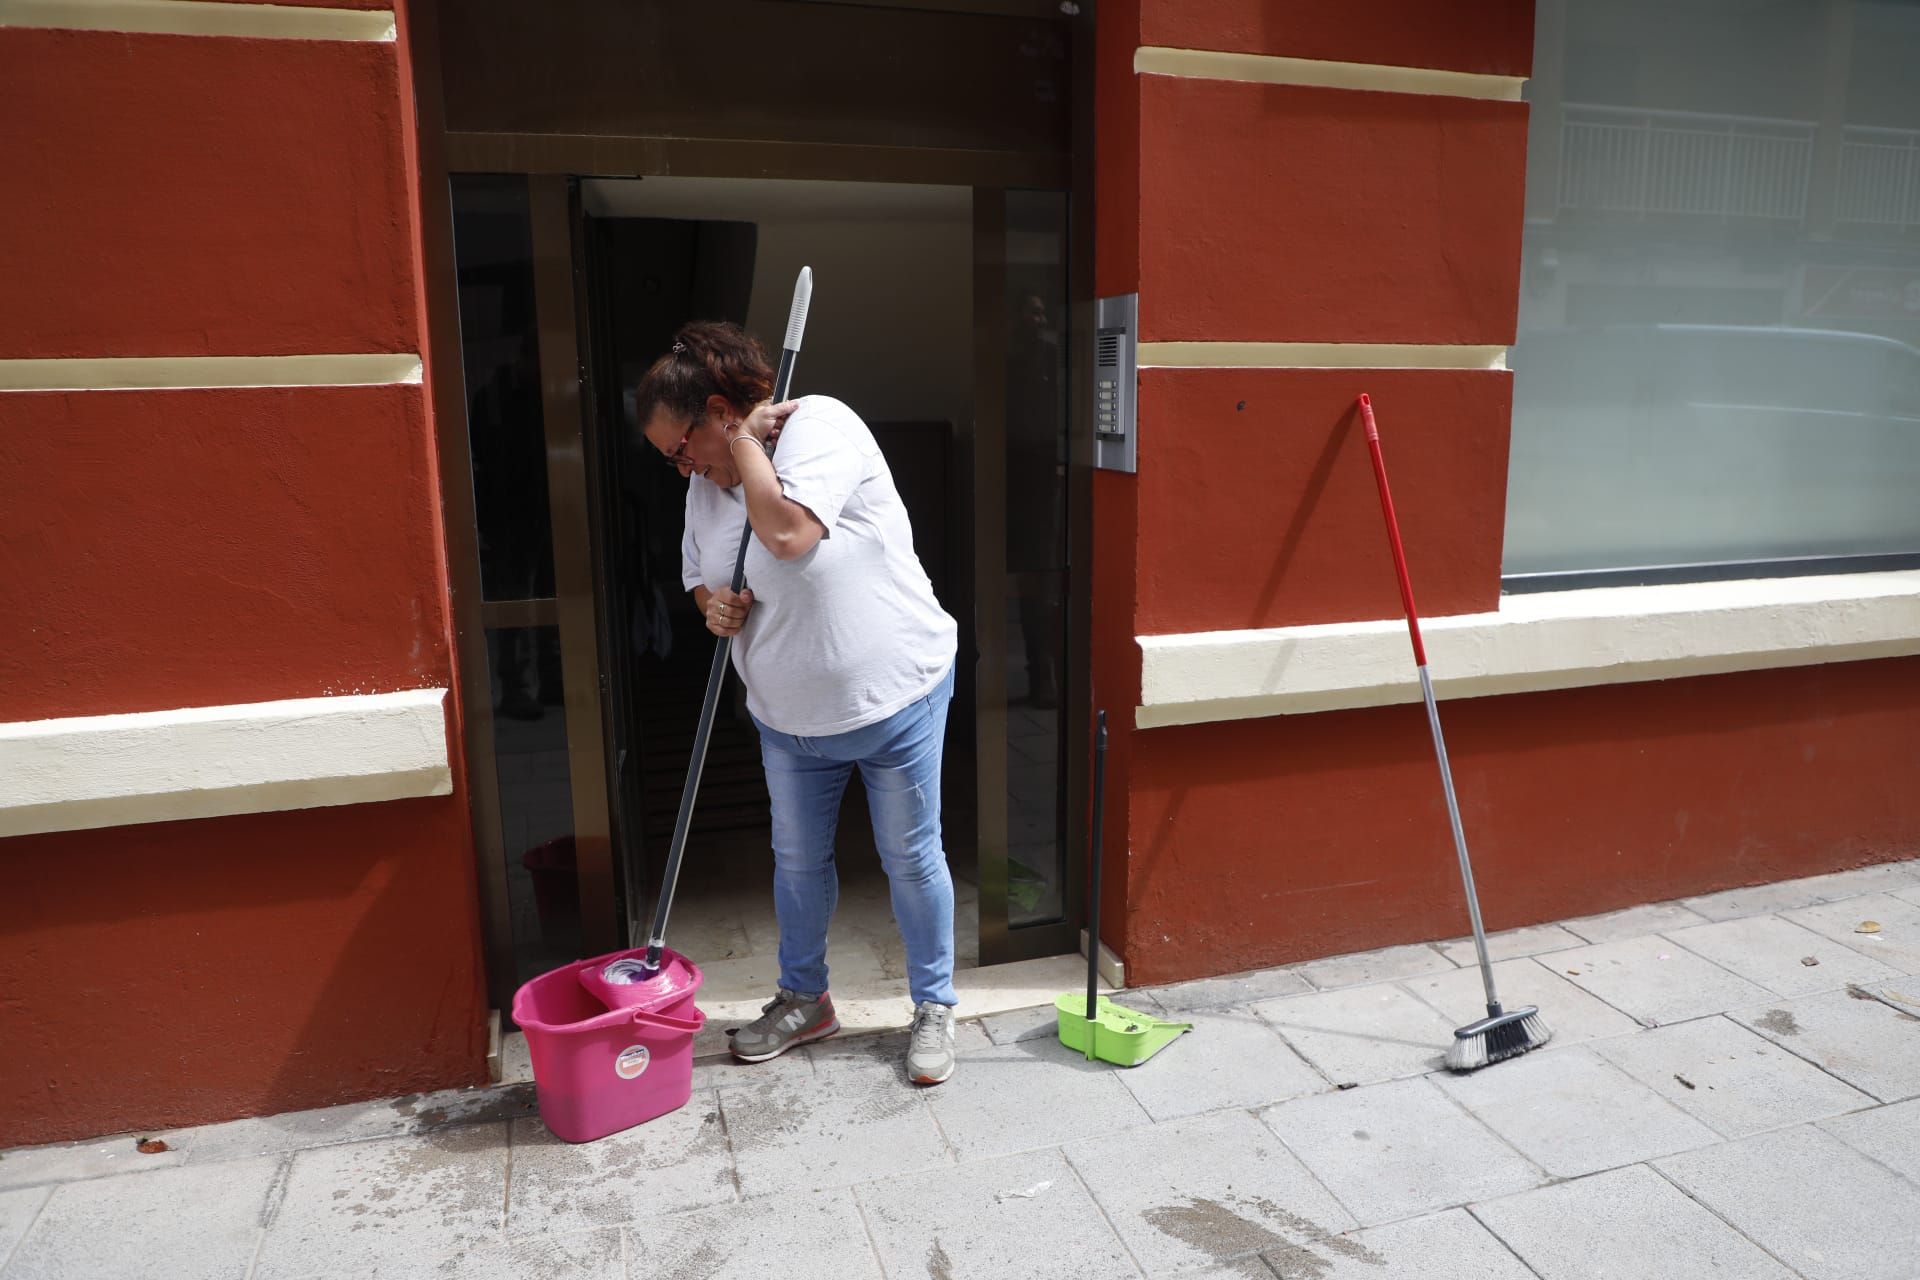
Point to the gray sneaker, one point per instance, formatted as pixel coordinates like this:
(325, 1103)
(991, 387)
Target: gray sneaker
(930, 1053)
(785, 1022)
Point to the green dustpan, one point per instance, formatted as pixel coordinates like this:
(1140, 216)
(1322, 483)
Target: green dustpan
(1113, 1034)
(1120, 1036)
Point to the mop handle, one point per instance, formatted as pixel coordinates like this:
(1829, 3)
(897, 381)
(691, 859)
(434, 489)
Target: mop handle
(1093, 903)
(1393, 528)
(782, 379)
(717, 673)
(1426, 694)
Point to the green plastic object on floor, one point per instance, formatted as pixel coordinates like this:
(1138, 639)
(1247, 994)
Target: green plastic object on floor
(1120, 1036)
(1091, 1023)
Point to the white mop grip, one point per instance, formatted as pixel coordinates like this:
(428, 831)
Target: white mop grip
(797, 318)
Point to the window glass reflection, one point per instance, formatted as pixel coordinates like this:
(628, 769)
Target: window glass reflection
(1720, 308)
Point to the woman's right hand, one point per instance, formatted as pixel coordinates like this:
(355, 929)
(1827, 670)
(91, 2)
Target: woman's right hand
(768, 420)
(726, 612)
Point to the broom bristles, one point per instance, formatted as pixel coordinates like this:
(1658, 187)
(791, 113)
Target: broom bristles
(1494, 1039)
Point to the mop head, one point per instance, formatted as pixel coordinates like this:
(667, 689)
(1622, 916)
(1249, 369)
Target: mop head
(1501, 1035)
(623, 980)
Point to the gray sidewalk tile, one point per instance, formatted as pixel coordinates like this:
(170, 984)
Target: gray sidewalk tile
(1773, 952)
(1907, 895)
(1897, 942)
(1573, 1114)
(1633, 922)
(1211, 1188)
(1025, 1024)
(1037, 1093)
(18, 1209)
(356, 1122)
(1019, 1215)
(674, 1162)
(580, 1255)
(102, 1158)
(1217, 993)
(724, 1071)
(1392, 1151)
(174, 1224)
(794, 1237)
(886, 1054)
(1787, 895)
(1872, 1047)
(1571, 1014)
(808, 1134)
(1362, 1034)
(1626, 1222)
(1726, 1076)
(1809, 1199)
(1374, 966)
(369, 1208)
(1512, 944)
(1890, 1135)
(1239, 1269)
(1656, 981)
(1230, 1059)
(1441, 1246)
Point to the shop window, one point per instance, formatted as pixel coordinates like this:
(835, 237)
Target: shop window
(1717, 372)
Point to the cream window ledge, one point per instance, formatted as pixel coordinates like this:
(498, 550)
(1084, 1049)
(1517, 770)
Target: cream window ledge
(1551, 640)
(204, 762)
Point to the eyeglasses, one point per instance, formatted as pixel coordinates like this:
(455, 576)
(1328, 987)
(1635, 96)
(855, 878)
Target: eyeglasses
(678, 458)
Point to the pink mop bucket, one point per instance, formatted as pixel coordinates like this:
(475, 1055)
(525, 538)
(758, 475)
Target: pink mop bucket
(599, 1070)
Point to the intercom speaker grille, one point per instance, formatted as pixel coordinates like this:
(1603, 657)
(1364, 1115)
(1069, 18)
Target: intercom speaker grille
(1116, 325)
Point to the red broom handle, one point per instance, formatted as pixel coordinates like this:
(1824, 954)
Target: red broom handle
(1393, 528)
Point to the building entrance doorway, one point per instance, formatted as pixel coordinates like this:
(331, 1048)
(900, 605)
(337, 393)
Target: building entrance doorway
(950, 312)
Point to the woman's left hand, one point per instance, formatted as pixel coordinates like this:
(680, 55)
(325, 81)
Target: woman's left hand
(767, 421)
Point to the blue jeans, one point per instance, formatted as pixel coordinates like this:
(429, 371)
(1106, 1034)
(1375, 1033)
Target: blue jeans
(899, 760)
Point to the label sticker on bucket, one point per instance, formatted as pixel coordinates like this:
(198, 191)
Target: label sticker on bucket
(631, 1062)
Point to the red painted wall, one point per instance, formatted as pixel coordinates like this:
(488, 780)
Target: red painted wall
(1275, 213)
(1291, 529)
(177, 973)
(1249, 212)
(1261, 842)
(1114, 656)
(215, 196)
(1493, 37)
(191, 548)
(188, 195)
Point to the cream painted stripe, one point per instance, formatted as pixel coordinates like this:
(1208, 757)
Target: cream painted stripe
(1553, 640)
(197, 18)
(1317, 355)
(1257, 68)
(84, 772)
(151, 373)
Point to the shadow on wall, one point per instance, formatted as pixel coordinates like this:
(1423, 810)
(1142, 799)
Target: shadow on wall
(1345, 428)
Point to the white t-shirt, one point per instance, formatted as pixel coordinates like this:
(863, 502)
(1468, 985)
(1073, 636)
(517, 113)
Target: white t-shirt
(849, 633)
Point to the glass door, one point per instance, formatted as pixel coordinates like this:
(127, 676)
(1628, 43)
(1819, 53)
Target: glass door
(512, 249)
(1029, 900)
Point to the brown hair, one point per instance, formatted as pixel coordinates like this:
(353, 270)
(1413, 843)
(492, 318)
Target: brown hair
(709, 358)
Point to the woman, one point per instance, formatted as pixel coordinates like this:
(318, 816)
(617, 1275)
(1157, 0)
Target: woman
(846, 656)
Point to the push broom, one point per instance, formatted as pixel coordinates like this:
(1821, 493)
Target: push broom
(1501, 1034)
(649, 968)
